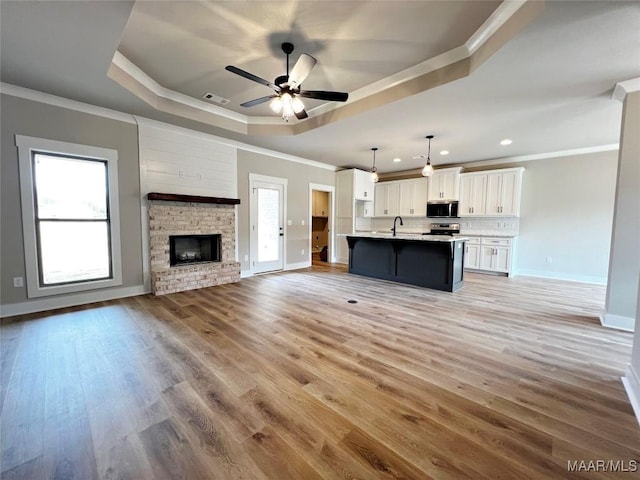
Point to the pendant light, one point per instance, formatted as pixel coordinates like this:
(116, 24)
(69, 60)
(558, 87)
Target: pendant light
(374, 170)
(428, 169)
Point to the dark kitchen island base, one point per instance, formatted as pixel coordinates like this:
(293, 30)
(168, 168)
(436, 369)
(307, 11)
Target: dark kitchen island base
(432, 263)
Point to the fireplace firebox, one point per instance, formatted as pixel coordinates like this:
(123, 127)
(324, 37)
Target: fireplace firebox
(190, 249)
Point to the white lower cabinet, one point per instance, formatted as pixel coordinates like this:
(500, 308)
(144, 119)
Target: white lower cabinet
(491, 254)
(472, 253)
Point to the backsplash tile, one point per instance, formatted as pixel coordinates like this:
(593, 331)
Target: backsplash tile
(499, 226)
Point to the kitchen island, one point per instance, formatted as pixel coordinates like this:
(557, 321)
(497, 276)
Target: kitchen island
(432, 261)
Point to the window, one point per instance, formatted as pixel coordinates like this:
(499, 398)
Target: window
(69, 215)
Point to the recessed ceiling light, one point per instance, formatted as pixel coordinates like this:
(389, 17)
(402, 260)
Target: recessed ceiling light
(397, 159)
(444, 152)
(506, 141)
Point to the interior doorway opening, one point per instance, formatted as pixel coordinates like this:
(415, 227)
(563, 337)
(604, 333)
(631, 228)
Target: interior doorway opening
(321, 223)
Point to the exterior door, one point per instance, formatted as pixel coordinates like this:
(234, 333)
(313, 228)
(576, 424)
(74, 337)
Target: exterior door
(267, 226)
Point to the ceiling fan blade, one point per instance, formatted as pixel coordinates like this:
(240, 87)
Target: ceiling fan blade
(301, 70)
(251, 76)
(301, 115)
(258, 101)
(322, 95)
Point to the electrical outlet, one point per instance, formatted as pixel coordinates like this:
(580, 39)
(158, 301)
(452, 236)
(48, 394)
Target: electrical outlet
(18, 282)
(289, 222)
(246, 258)
(549, 260)
(302, 223)
(302, 252)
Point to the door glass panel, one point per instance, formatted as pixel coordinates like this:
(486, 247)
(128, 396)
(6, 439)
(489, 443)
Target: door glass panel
(268, 225)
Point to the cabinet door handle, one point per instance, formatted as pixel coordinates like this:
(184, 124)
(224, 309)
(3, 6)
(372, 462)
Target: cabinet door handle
(365, 194)
(385, 212)
(411, 211)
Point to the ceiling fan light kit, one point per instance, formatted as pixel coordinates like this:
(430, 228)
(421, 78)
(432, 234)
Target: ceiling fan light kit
(287, 87)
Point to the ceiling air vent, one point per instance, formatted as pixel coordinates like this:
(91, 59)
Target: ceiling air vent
(215, 98)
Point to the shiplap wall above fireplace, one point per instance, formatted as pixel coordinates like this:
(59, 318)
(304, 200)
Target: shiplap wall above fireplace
(184, 162)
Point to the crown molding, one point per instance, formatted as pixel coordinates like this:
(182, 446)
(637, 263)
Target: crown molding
(492, 24)
(158, 90)
(48, 99)
(542, 156)
(233, 143)
(622, 89)
(508, 19)
(507, 160)
(41, 97)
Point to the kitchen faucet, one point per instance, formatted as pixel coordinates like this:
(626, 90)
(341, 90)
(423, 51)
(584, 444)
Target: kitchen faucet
(394, 224)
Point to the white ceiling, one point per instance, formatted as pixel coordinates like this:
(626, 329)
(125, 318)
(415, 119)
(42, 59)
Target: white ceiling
(548, 89)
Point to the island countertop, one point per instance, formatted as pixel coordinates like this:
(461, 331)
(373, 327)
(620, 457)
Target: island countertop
(409, 236)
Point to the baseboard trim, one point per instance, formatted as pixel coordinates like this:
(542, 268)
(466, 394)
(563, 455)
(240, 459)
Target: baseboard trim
(53, 303)
(562, 276)
(298, 266)
(246, 274)
(618, 322)
(631, 382)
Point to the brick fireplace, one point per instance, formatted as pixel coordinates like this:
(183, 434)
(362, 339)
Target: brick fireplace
(172, 216)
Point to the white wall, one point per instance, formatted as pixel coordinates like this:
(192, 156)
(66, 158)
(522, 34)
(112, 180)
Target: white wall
(567, 214)
(624, 264)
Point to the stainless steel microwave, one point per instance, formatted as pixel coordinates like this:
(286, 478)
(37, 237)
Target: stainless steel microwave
(442, 209)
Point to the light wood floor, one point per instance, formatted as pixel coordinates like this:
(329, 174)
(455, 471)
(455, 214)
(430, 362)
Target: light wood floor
(279, 377)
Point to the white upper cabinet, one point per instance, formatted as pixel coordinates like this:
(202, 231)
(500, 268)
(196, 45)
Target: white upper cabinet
(473, 192)
(413, 198)
(493, 193)
(387, 199)
(444, 184)
(352, 185)
(503, 193)
(363, 186)
(406, 198)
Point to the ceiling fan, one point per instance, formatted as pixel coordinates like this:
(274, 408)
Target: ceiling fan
(287, 87)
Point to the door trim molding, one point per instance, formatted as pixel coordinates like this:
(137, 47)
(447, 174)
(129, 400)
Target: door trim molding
(256, 177)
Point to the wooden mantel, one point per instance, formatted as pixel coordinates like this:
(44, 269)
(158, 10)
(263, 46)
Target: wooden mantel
(172, 197)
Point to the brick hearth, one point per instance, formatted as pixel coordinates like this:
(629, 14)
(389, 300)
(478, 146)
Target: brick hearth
(188, 218)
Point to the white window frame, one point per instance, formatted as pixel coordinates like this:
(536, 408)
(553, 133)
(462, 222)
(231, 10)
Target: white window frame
(26, 146)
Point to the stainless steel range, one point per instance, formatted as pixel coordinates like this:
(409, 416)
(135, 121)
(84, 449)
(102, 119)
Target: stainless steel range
(444, 229)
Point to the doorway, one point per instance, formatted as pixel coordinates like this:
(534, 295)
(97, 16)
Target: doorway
(321, 206)
(267, 214)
